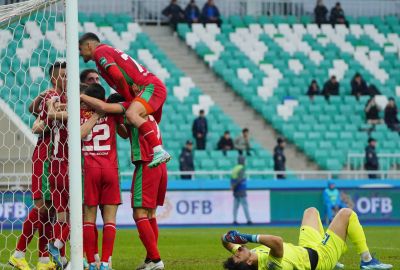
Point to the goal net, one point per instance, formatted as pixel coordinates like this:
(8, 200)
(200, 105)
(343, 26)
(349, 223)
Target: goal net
(32, 38)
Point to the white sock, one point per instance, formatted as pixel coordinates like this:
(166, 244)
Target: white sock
(58, 244)
(104, 263)
(19, 254)
(366, 256)
(64, 260)
(109, 260)
(158, 148)
(97, 257)
(44, 259)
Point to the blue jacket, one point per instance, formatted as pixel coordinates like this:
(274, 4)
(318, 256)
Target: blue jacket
(200, 126)
(210, 11)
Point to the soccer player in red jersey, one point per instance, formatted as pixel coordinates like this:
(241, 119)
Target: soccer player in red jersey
(56, 119)
(100, 174)
(145, 92)
(39, 217)
(148, 185)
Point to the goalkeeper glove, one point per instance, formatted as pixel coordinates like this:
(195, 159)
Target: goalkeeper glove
(240, 238)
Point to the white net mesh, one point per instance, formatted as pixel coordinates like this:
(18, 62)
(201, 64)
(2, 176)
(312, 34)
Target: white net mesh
(32, 37)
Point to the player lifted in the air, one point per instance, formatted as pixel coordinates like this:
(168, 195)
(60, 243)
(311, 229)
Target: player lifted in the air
(148, 185)
(100, 175)
(315, 250)
(145, 92)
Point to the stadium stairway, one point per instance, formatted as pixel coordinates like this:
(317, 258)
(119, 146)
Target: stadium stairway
(223, 96)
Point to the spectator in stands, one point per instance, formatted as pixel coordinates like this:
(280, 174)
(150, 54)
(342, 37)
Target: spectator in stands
(175, 14)
(391, 119)
(186, 160)
(225, 143)
(279, 158)
(320, 12)
(210, 13)
(239, 187)
(371, 158)
(373, 90)
(242, 142)
(89, 76)
(358, 86)
(337, 15)
(199, 130)
(332, 201)
(313, 89)
(372, 112)
(331, 87)
(192, 12)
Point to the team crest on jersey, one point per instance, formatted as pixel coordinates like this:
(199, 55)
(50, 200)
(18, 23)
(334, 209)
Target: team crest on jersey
(87, 114)
(103, 61)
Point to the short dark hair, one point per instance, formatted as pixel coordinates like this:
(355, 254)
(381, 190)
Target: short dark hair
(96, 90)
(245, 130)
(85, 73)
(87, 37)
(201, 111)
(115, 98)
(230, 264)
(56, 65)
(227, 132)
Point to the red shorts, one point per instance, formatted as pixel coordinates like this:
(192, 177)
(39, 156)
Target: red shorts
(153, 98)
(59, 185)
(101, 186)
(40, 173)
(148, 186)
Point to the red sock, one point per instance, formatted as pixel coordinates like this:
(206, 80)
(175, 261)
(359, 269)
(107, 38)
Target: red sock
(146, 234)
(43, 235)
(154, 226)
(109, 231)
(149, 134)
(28, 229)
(61, 231)
(89, 241)
(96, 240)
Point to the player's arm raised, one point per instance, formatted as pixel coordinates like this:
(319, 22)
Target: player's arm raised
(227, 245)
(101, 106)
(86, 127)
(34, 107)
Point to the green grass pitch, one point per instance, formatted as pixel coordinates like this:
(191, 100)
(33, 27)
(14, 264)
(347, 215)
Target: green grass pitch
(200, 248)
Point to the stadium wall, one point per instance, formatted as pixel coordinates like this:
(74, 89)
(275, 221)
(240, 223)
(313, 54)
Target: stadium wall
(210, 202)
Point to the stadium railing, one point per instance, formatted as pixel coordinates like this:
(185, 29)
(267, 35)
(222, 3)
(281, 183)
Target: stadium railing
(149, 11)
(386, 160)
(21, 181)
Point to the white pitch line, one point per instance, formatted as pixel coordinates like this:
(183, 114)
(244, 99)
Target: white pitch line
(384, 248)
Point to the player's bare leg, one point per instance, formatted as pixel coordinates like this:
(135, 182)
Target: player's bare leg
(109, 232)
(346, 223)
(89, 241)
(136, 115)
(148, 238)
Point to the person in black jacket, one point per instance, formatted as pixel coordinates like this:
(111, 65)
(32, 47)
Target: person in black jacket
(210, 13)
(337, 15)
(186, 160)
(175, 14)
(391, 119)
(358, 86)
(331, 88)
(192, 12)
(371, 158)
(225, 143)
(313, 89)
(320, 12)
(372, 112)
(200, 130)
(279, 158)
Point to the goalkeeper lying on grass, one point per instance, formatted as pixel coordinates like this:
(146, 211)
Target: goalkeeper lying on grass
(315, 251)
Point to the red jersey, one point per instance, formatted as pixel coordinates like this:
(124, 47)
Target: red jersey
(140, 149)
(99, 147)
(134, 73)
(58, 128)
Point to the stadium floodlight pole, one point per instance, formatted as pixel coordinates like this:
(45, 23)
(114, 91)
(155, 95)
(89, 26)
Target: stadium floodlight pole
(74, 136)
